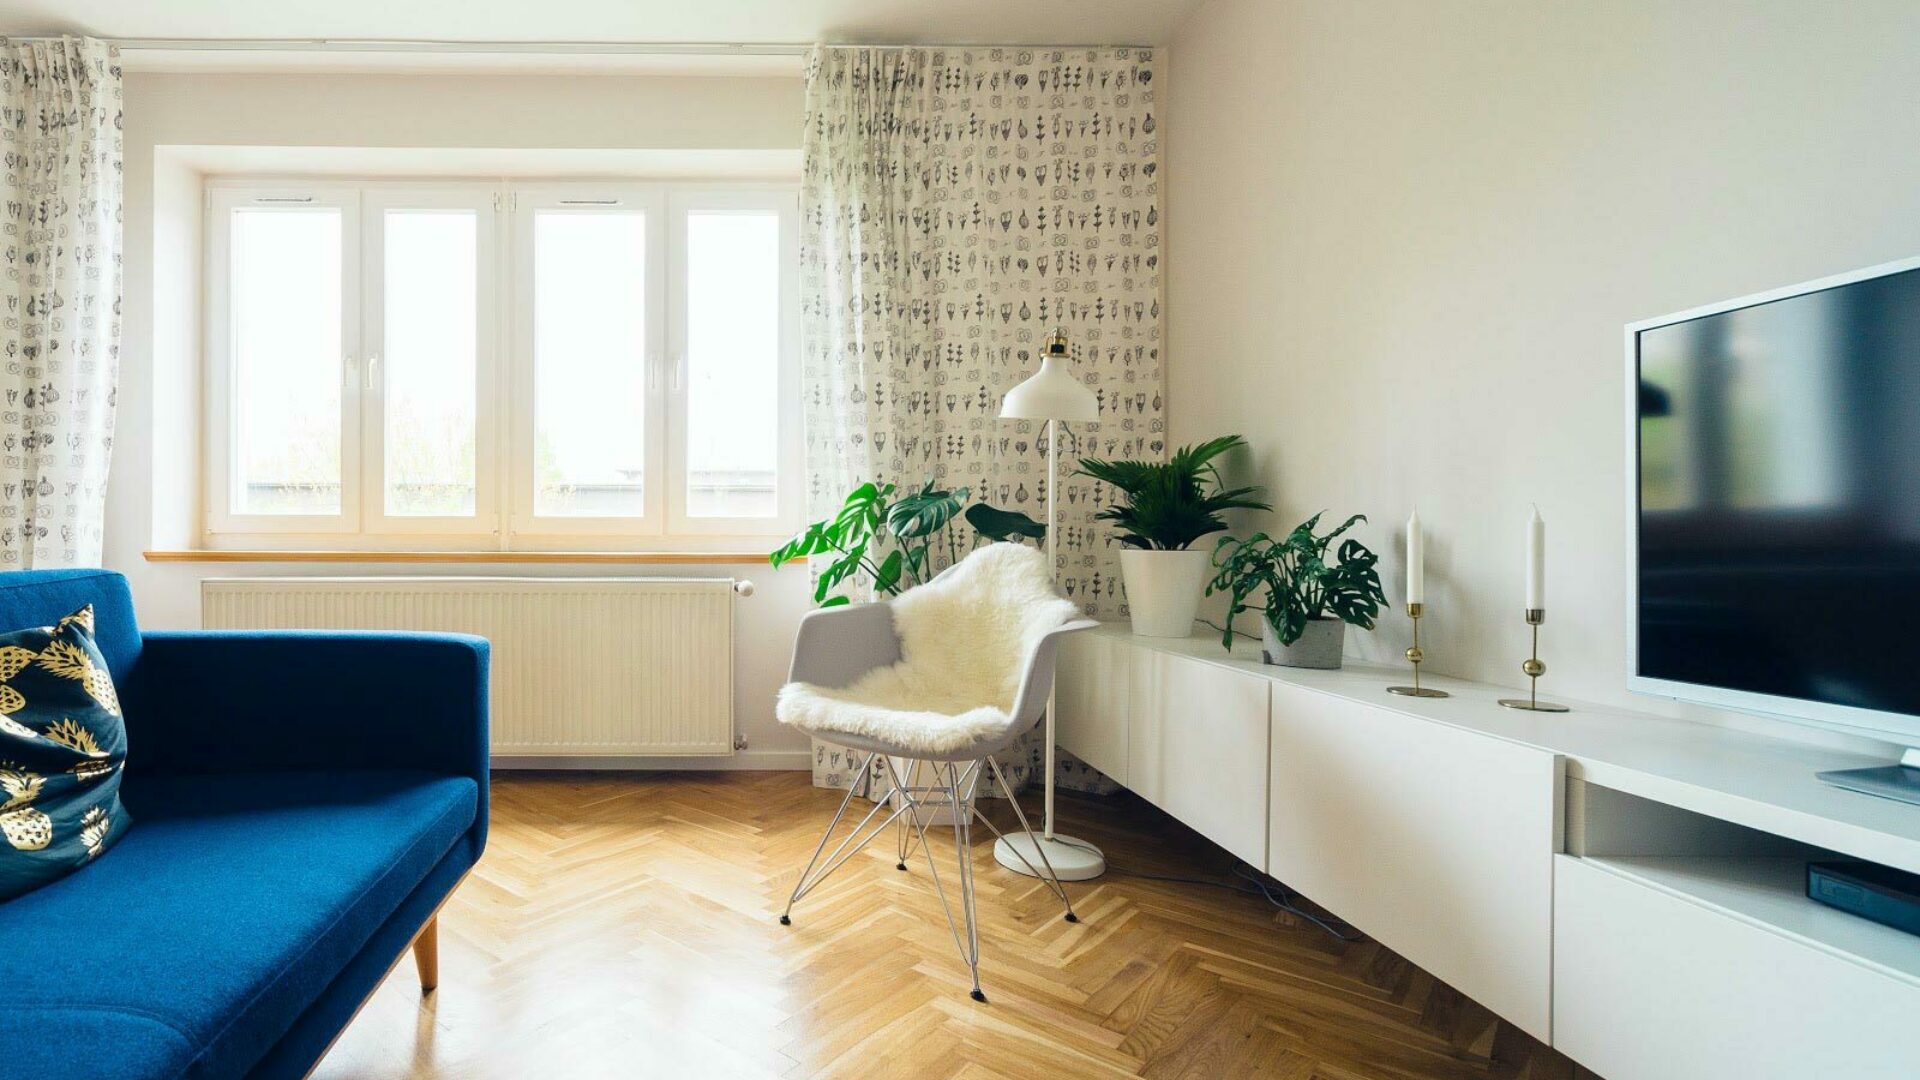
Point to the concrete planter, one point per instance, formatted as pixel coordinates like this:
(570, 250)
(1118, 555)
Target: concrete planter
(1319, 645)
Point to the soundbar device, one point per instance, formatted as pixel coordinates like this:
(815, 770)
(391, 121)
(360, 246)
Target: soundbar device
(1887, 896)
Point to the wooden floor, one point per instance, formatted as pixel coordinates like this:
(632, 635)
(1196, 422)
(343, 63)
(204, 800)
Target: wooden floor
(626, 925)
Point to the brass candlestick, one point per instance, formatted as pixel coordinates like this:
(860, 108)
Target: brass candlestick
(1414, 656)
(1534, 669)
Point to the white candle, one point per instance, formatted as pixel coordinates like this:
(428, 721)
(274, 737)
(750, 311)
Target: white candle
(1536, 562)
(1416, 562)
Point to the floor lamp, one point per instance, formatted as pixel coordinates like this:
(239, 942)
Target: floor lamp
(1055, 396)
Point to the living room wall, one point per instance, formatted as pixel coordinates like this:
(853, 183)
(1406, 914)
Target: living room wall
(1408, 289)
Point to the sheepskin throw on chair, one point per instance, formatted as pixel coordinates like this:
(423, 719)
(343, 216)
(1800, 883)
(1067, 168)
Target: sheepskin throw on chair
(964, 642)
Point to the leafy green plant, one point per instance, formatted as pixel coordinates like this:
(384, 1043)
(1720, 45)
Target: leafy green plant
(1167, 505)
(894, 541)
(1300, 582)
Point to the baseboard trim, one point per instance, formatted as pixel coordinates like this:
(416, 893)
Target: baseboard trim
(749, 760)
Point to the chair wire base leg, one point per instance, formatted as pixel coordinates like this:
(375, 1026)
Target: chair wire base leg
(800, 886)
(963, 847)
(905, 845)
(956, 789)
(972, 959)
(1052, 879)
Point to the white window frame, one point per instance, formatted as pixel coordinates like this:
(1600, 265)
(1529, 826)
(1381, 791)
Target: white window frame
(504, 517)
(529, 202)
(788, 458)
(481, 200)
(223, 433)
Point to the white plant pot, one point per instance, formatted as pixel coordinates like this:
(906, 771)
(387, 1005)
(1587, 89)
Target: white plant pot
(1164, 589)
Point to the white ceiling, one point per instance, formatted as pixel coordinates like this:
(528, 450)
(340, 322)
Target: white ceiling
(1107, 22)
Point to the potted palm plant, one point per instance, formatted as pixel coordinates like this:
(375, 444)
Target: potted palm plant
(1310, 598)
(1164, 507)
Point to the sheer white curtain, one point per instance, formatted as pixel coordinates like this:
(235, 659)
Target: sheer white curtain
(956, 204)
(60, 186)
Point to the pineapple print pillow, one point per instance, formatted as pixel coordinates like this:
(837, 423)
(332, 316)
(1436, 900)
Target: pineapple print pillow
(62, 746)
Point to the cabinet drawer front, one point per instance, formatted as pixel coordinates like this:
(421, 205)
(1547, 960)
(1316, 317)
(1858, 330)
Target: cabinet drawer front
(1197, 748)
(1651, 986)
(1437, 842)
(1094, 684)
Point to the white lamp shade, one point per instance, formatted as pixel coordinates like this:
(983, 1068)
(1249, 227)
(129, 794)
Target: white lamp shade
(1052, 394)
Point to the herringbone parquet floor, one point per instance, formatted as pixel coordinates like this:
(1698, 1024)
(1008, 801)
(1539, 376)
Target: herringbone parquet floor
(625, 925)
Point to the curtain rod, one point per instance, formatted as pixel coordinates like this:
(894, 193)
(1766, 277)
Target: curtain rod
(406, 45)
(582, 48)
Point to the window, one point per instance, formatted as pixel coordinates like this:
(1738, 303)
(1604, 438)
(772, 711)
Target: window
(501, 366)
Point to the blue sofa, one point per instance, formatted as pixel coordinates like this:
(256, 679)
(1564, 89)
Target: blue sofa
(302, 804)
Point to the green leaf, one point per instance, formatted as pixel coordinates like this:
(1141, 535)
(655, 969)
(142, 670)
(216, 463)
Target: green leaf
(887, 580)
(837, 571)
(924, 512)
(856, 521)
(813, 540)
(835, 601)
(1293, 623)
(1169, 505)
(997, 524)
(862, 514)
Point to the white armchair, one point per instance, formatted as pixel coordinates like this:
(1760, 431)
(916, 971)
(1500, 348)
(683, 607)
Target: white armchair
(949, 674)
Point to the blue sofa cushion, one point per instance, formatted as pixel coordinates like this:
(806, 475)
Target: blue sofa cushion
(62, 748)
(218, 921)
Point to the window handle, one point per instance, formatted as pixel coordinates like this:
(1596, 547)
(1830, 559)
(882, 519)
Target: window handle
(653, 371)
(679, 363)
(349, 374)
(373, 376)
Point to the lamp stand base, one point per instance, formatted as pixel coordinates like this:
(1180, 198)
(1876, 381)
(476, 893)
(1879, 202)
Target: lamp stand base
(1072, 860)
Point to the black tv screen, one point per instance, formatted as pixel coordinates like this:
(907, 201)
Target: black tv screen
(1778, 549)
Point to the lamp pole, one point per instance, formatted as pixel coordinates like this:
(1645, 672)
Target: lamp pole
(1052, 395)
(1053, 575)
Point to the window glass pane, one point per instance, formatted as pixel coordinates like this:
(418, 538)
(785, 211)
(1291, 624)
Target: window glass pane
(431, 361)
(733, 363)
(285, 299)
(589, 346)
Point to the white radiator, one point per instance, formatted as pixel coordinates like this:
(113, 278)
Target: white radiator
(582, 667)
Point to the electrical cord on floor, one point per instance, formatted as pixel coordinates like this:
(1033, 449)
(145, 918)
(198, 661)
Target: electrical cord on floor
(1260, 887)
(1285, 902)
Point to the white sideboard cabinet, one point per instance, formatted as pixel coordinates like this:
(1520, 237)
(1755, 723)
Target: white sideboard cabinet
(1626, 887)
(1439, 842)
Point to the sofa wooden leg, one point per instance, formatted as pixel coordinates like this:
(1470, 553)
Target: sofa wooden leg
(426, 955)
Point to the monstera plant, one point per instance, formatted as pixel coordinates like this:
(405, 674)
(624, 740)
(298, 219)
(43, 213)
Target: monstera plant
(1309, 598)
(896, 542)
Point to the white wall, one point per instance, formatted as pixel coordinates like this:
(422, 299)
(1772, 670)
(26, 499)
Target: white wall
(1405, 237)
(152, 501)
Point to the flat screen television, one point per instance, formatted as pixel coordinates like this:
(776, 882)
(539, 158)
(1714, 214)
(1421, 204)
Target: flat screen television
(1775, 503)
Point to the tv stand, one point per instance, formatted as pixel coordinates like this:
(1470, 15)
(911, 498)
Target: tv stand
(1581, 875)
(1900, 782)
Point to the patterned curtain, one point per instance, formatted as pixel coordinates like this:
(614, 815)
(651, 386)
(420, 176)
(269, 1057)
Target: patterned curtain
(59, 297)
(956, 205)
